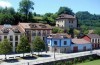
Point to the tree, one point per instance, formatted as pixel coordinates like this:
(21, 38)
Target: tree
(23, 46)
(84, 29)
(76, 32)
(38, 44)
(25, 7)
(55, 30)
(97, 31)
(6, 18)
(65, 10)
(5, 47)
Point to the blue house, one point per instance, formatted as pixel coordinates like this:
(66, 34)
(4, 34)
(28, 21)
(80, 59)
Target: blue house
(80, 45)
(59, 43)
(62, 43)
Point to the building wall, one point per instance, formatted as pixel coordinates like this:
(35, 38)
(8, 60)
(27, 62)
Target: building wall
(60, 42)
(43, 33)
(81, 46)
(13, 42)
(65, 49)
(60, 47)
(66, 23)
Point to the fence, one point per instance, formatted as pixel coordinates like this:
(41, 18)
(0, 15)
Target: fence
(51, 59)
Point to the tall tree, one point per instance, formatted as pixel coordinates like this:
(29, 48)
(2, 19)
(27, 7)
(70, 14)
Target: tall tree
(38, 44)
(23, 46)
(65, 10)
(25, 6)
(5, 47)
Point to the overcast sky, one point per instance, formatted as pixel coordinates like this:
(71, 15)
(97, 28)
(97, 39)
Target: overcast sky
(44, 6)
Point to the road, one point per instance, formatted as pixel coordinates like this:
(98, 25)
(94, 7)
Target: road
(58, 56)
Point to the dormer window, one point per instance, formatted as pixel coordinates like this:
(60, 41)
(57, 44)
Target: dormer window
(42, 26)
(33, 26)
(16, 30)
(5, 30)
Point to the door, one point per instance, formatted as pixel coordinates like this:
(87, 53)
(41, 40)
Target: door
(75, 49)
(84, 48)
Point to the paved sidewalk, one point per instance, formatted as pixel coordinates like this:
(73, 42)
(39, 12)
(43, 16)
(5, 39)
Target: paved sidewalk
(58, 56)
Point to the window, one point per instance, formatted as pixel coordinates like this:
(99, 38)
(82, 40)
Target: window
(33, 33)
(95, 40)
(16, 43)
(44, 32)
(5, 37)
(11, 43)
(71, 21)
(11, 38)
(55, 42)
(48, 31)
(39, 33)
(65, 43)
(92, 40)
(0, 38)
(16, 38)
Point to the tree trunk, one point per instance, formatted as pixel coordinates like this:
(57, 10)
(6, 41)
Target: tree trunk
(31, 53)
(5, 57)
(38, 53)
(23, 54)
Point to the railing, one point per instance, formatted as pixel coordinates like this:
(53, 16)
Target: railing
(51, 59)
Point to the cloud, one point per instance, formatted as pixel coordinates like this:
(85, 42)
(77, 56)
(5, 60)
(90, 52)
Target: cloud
(5, 4)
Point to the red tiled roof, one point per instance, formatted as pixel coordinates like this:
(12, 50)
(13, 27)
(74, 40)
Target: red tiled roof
(65, 16)
(80, 41)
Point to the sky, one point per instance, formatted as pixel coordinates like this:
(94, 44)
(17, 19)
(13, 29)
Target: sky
(52, 6)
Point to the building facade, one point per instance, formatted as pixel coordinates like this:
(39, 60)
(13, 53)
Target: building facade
(12, 33)
(59, 43)
(62, 43)
(80, 45)
(36, 29)
(94, 39)
(66, 21)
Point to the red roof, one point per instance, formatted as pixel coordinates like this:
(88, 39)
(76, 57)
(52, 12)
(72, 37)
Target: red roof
(80, 41)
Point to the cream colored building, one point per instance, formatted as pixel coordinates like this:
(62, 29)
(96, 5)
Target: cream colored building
(12, 33)
(66, 21)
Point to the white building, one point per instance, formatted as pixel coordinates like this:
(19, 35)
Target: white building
(66, 21)
(12, 33)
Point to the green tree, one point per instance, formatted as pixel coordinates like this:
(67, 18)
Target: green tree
(84, 29)
(55, 30)
(38, 44)
(97, 31)
(25, 7)
(6, 18)
(65, 10)
(5, 47)
(76, 32)
(24, 45)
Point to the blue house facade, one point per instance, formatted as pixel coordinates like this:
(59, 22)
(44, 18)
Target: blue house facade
(59, 43)
(62, 43)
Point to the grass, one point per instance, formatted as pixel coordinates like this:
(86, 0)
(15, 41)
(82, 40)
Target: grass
(95, 62)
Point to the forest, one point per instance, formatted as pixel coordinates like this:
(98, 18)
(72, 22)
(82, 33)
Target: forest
(25, 13)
